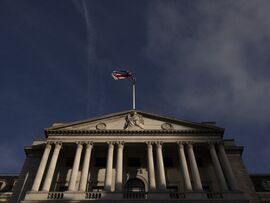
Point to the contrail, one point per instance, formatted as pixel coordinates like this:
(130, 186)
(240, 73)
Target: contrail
(82, 7)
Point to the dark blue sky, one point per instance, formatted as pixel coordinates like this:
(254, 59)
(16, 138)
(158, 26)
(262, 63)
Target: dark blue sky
(194, 60)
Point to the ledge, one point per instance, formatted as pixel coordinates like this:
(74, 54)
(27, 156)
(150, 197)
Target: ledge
(138, 196)
(130, 132)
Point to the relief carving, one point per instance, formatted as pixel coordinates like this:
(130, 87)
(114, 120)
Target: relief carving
(134, 120)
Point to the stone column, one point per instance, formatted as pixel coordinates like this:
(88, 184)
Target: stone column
(75, 168)
(227, 167)
(85, 169)
(41, 167)
(217, 167)
(50, 172)
(108, 177)
(184, 167)
(119, 167)
(160, 165)
(194, 169)
(151, 169)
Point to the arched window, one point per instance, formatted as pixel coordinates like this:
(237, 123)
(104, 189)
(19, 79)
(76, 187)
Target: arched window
(135, 185)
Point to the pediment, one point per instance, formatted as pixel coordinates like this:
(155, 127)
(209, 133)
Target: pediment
(134, 120)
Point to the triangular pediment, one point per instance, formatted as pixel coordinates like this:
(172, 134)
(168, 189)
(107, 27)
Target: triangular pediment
(134, 120)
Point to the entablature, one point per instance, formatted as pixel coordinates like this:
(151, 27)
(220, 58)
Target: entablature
(132, 132)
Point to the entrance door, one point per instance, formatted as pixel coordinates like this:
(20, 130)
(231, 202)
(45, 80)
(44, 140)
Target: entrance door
(135, 185)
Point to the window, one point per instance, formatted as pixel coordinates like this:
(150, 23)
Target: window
(134, 162)
(100, 162)
(266, 184)
(97, 188)
(168, 162)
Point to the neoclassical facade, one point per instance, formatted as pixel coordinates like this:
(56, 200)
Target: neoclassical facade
(134, 155)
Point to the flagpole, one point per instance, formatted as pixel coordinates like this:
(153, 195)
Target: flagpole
(134, 96)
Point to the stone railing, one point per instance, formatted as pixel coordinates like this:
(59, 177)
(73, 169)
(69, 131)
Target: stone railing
(55, 195)
(135, 195)
(177, 195)
(92, 195)
(214, 195)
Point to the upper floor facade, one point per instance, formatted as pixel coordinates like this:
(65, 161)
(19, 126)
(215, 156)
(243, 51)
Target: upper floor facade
(134, 155)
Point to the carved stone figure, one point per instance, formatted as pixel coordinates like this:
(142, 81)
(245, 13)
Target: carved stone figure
(132, 120)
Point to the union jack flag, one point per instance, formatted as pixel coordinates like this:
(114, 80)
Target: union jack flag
(122, 74)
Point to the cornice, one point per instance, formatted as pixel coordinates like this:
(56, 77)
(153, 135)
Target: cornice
(131, 132)
(234, 149)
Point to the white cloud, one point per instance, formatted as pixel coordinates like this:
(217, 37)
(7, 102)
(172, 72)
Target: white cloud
(213, 54)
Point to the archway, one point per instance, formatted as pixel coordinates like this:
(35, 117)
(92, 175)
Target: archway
(135, 185)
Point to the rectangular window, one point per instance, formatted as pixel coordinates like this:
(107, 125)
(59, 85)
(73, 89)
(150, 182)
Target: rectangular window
(97, 188)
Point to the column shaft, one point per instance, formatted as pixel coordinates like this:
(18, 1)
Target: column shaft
(218, 168)
(194, 169)
(108, 177)
(119, 167)
(75, 168)
(160, 165)
(85, 170)
(41, 168)
(184, 167)
(151, 169)
(50, 172)
(227, 168)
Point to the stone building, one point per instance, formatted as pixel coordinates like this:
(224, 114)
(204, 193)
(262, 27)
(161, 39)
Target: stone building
(134, 155)
(7, 182)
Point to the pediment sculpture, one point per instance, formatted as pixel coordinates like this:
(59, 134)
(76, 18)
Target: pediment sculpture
(134, 120)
